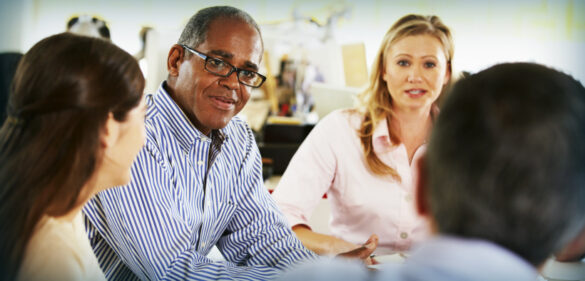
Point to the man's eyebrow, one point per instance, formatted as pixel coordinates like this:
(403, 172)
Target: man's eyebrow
(223, 54)
(251, 65)
(227, 55)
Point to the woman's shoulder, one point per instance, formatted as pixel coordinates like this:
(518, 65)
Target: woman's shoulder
(343, 117)
(55, 251)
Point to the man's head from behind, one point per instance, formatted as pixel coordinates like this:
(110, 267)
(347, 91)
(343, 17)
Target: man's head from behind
(506, 160)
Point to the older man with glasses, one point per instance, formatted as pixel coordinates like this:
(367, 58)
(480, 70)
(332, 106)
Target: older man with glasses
(198, 181)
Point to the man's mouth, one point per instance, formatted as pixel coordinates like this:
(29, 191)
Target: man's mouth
(223, 103)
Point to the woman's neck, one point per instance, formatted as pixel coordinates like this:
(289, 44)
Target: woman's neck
(412, 124)
(87, 192)
(412, 128)
(70, 216)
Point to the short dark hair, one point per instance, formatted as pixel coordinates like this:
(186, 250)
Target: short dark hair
(63, 91)
(195, 32)
(506, 160)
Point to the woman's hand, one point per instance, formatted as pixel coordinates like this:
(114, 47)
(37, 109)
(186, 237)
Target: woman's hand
(364, 252)
(323, 244)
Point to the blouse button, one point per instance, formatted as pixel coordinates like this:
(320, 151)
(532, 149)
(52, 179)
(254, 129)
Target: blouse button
(200, 162)
(403, 235)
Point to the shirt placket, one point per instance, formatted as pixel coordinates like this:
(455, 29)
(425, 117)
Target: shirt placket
(198, 161)
(205, 164)
(404, 228)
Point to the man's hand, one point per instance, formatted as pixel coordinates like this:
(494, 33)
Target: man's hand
(364, 252)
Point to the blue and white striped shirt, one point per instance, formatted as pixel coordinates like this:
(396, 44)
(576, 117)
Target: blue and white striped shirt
(164, 223)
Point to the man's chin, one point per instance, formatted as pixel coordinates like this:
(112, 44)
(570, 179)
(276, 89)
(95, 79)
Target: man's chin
(220, 123)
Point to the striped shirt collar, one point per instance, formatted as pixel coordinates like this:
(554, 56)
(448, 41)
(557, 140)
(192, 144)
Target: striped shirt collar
(179, 124)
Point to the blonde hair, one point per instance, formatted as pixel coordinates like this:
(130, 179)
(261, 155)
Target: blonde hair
(375, 102)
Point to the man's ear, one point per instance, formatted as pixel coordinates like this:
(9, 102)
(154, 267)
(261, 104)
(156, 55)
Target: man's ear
(422, 202)
(575, 250)
(174, 59)
(110, 132)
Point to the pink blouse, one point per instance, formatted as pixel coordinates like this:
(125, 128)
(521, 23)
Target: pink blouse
(331, 161)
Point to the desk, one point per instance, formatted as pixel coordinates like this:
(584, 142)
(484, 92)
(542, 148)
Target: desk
(397, 259)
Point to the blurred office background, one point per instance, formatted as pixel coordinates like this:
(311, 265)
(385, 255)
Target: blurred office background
(486, 32)
(318, 52)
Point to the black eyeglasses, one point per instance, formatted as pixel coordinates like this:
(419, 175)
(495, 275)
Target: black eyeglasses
(225, 69)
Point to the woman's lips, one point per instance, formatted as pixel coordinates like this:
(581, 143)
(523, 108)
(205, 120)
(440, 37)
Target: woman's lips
(415, 93)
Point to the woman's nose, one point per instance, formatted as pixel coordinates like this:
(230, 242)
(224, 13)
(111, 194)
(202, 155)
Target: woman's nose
(414, 75)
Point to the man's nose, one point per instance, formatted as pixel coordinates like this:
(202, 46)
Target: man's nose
(231, 81)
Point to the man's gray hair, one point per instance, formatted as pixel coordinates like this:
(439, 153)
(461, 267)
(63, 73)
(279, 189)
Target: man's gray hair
(195, 32)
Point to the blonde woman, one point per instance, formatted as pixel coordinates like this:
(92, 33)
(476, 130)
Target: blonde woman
(363, 158)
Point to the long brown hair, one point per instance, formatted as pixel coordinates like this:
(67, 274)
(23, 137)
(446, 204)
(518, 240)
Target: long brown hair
(63, 91)
(375, 101)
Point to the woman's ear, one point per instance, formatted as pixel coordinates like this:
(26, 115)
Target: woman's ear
(384, 74)
(110, 132)
(174, 59)
(447, 74)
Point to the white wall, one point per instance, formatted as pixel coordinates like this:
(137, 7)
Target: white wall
(551, 32)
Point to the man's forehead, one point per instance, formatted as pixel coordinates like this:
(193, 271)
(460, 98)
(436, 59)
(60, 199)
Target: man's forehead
(231, 38)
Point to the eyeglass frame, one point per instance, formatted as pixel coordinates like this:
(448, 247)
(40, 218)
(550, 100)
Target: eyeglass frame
(232, 70)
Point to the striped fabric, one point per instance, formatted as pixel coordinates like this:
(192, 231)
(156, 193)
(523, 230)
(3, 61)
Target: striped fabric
(164, 223)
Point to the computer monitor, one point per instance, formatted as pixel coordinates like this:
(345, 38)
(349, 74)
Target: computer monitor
(328, 97)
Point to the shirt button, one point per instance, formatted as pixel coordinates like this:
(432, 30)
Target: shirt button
(200, 162)
(408, 198)
(202, 244)
(203, 139)
(403, 235)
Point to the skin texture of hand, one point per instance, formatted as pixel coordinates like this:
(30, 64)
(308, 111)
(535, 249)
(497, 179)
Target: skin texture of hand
(323, 244)
(364, 252)
(574, 251)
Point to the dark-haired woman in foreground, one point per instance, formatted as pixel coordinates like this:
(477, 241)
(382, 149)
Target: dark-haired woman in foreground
(75, 125)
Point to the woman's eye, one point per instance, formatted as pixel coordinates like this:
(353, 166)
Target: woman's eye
(403, 63)
(430, 64)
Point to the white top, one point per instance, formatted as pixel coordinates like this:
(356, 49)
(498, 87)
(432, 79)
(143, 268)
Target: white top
(59, 250)
(331, 160)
